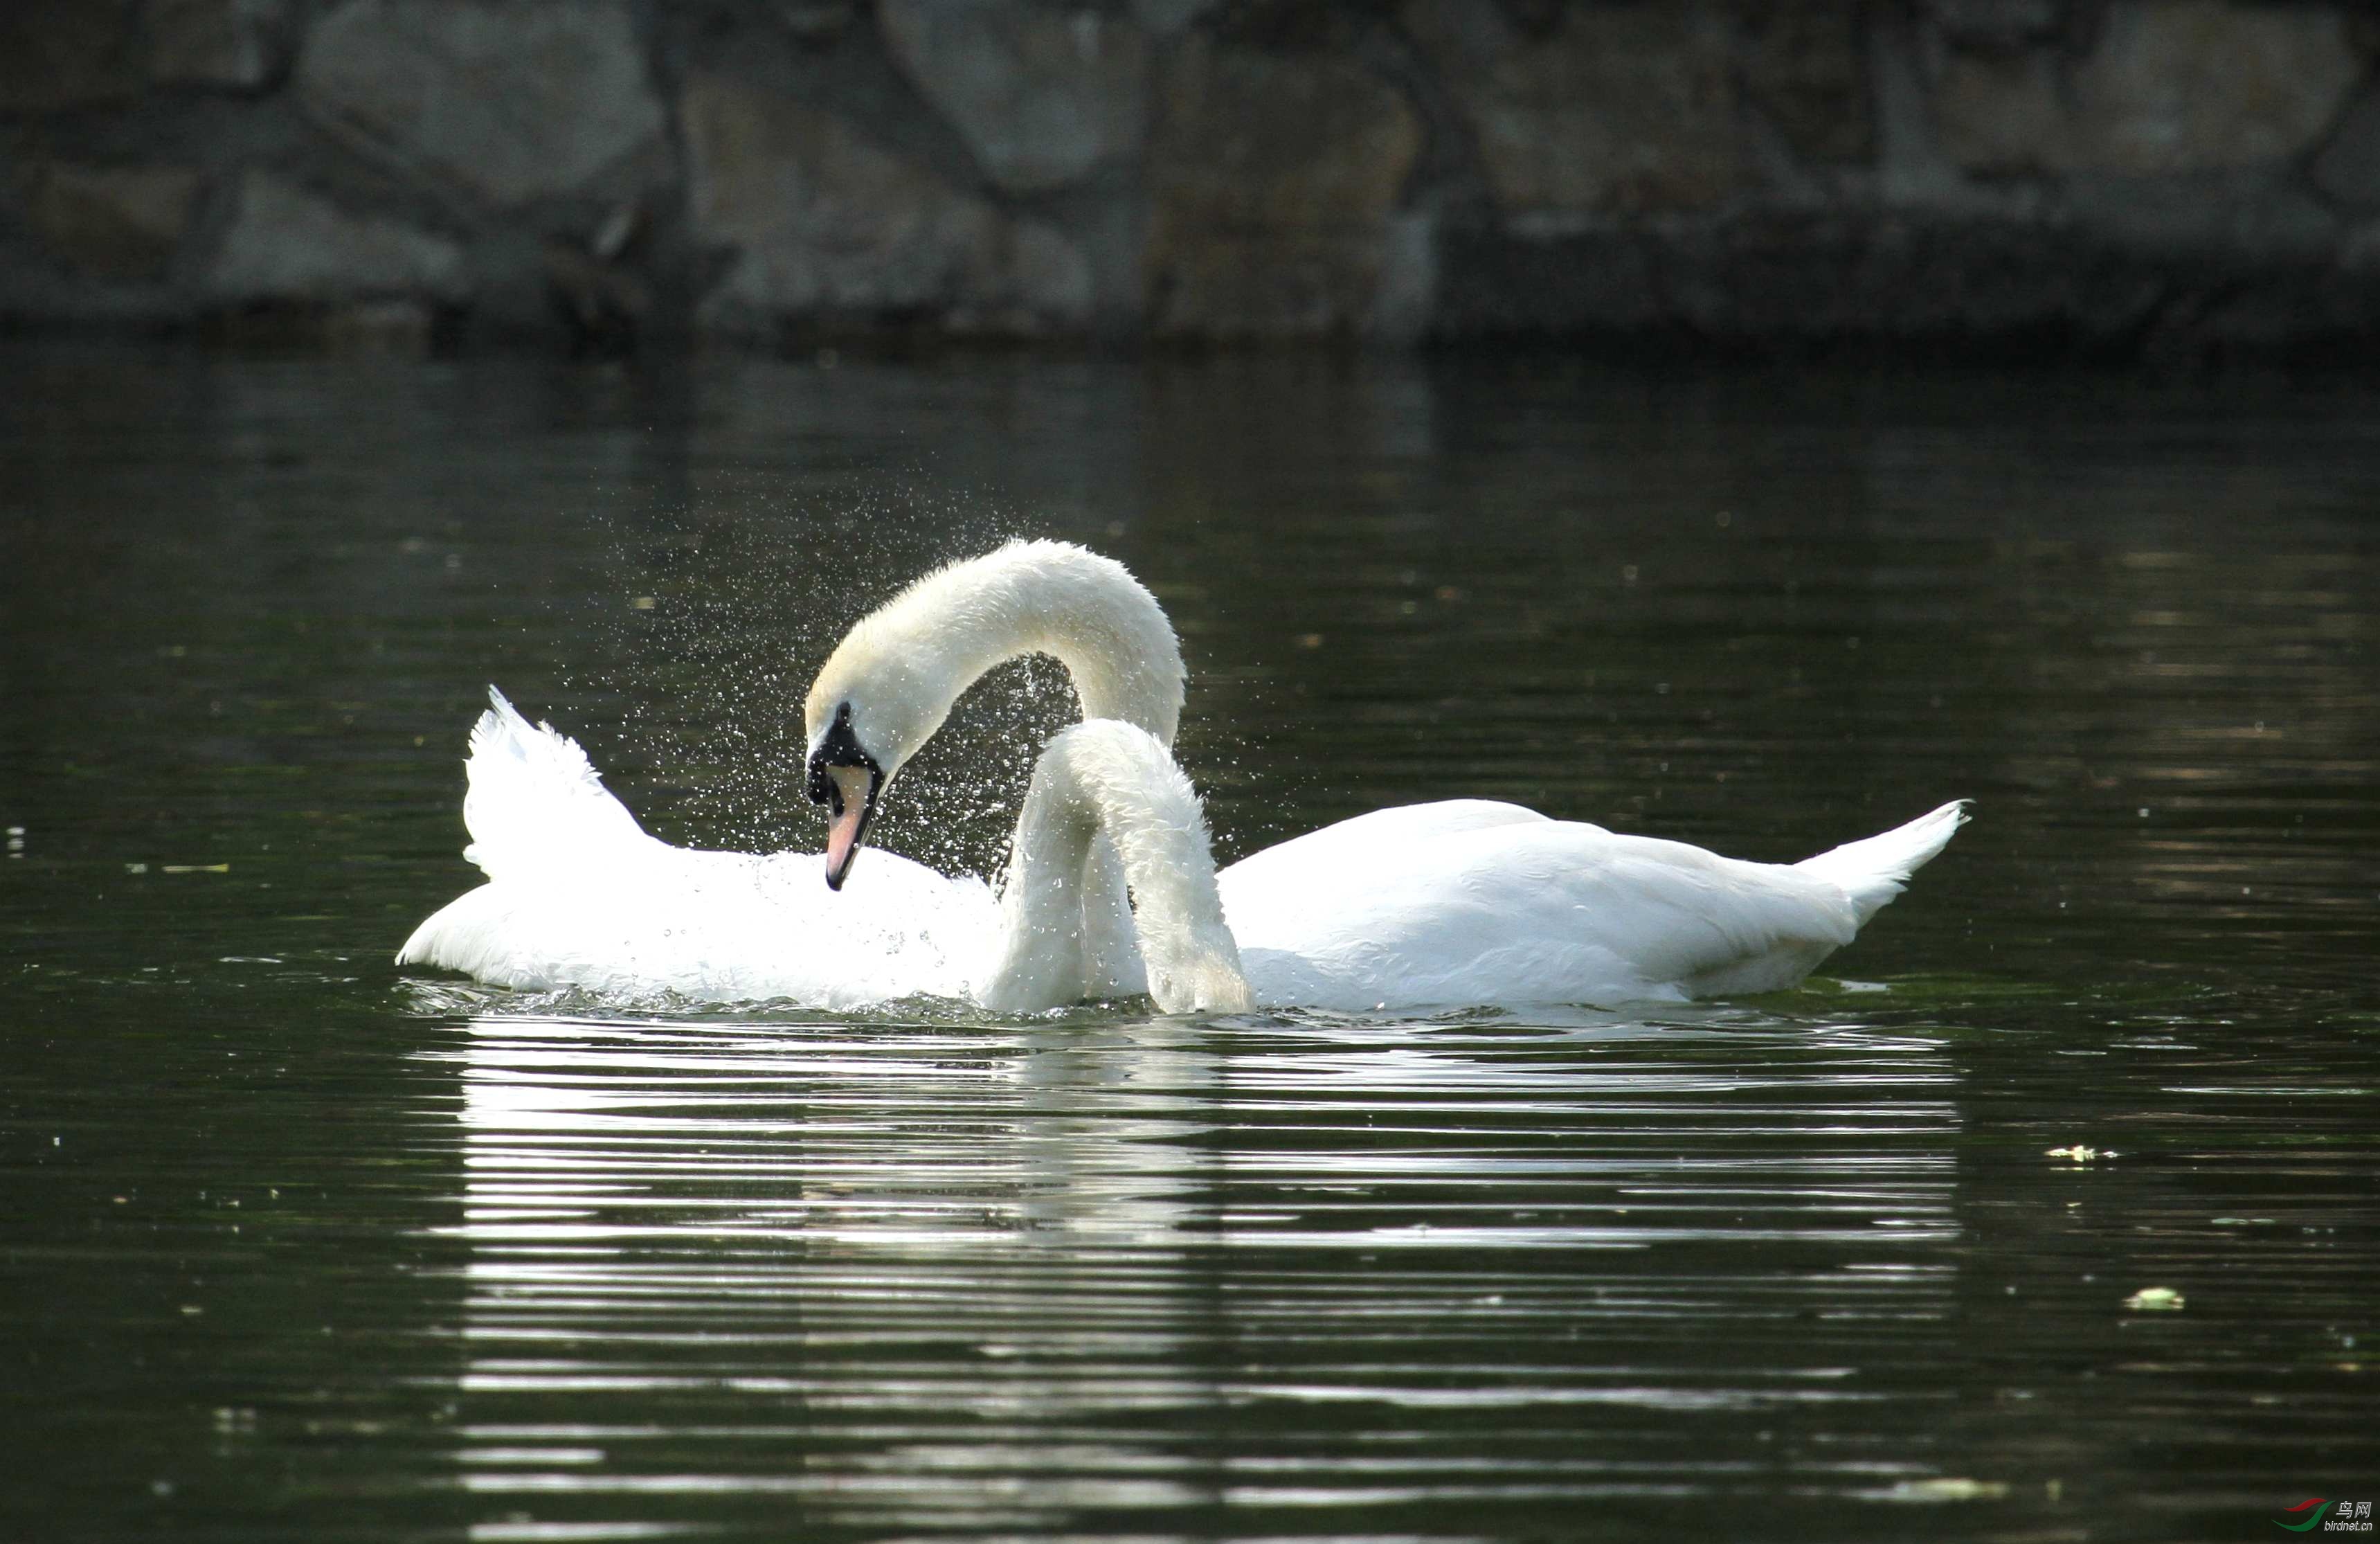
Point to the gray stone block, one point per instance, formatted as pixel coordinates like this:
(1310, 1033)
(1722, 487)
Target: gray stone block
(1998, 24)
(112, 222)
(1626, 108)
(61, 54)
(287, 245)
(1596, 281)
(238, 44)
(2170, 86)
(1165, 17)
(822, 226)
(1272, 181)
(510, 103)
(817, 22)
(1044, 96)
(1807, 66)
(2359, 253)
(2239, 218)
(2348, 167)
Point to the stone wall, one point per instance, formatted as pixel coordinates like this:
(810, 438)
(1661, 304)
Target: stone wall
(2110, 177)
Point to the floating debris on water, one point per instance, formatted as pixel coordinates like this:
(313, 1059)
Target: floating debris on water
(2155, 1300)
(195, 867)
(1947, 1488)
(2078, 1153)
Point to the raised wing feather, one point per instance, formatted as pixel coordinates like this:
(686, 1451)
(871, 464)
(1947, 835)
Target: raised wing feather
(535, 804)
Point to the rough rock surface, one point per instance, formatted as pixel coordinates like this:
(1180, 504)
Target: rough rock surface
(511, 102)
(1627, 108)
(114, 222)
(1166, 17)
(64, 54)
(2348, 167)
(2018, 179)
(285, 244)
(2170, 86)
(1044, 96)
(1272, 181)
(239, 44)
(1806, 67)
(821, 223)
(2232, 219)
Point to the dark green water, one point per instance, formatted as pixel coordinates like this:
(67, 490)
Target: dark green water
(295, 1248)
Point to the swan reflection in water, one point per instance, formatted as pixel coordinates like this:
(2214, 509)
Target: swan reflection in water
(967, 1274)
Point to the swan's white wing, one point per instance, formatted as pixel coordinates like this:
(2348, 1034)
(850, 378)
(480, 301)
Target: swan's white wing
(580, 895)
(1474, 906)
(535, 803)
(1368, 839)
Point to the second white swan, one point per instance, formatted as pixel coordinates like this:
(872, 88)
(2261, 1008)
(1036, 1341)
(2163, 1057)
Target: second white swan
(579, 896)
(1461, 903)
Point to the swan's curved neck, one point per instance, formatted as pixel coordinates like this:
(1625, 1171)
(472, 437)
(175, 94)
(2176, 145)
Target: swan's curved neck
(1086, 612)
(1104, 777)
(905, 665)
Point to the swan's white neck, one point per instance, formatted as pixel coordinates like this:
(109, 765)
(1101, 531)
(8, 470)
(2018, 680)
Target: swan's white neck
(1104, 777)
(903, 666)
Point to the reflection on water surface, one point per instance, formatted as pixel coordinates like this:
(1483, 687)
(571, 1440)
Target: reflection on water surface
(1113, 1266)
(297, 1248)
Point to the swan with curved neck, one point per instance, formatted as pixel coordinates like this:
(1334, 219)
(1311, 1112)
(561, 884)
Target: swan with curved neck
(1107, 778)
(577, 895)
(891, 682)
(1455, 902)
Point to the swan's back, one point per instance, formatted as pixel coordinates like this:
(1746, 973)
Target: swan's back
(1469, 902)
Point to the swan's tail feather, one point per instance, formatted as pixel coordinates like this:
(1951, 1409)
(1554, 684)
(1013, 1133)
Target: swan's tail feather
(535, 804)
(1872, 872)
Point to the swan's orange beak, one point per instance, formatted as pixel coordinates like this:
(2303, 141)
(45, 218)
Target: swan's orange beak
(854, 800)
(845, 779)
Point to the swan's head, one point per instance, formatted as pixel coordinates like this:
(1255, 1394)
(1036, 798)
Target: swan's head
(846, 780)
(868, 711)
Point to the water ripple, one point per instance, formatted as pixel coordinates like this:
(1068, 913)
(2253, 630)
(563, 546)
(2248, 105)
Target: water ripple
(951, 1255)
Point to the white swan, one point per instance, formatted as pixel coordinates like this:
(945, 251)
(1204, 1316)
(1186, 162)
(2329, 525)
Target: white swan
(1456, 904)
(578, 894)
(908, 661)
(1463, 903)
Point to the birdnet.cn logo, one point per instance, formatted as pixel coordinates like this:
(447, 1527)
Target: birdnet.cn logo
(2329, 1516)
